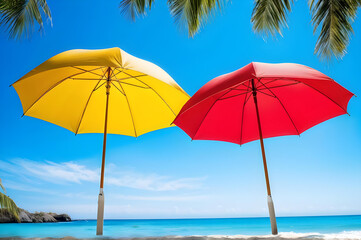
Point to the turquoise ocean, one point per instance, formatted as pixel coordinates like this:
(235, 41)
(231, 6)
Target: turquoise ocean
(329, 227)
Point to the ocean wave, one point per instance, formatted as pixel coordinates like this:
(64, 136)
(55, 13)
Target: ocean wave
(345, 235)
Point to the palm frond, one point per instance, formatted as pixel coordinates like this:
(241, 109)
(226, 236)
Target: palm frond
(8, 204)
(2, 186)
(270, 16)
(134, 8)
(193, 13)
(19, 16)
(335, 18)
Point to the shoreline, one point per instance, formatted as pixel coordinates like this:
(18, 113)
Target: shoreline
(311, 228)
(162, 219)
(201, 218)
(345, 235)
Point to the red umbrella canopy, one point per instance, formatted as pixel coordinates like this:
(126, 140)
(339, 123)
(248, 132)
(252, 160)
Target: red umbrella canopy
(291, 99)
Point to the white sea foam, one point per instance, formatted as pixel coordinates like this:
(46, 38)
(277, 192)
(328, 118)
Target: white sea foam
(345, 235)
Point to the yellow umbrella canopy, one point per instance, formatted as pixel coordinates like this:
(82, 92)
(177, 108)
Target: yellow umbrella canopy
(69, 90)
(101, 91)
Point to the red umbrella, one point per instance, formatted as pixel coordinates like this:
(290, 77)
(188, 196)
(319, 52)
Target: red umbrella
(287, 99)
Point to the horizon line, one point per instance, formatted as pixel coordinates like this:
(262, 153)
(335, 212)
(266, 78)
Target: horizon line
(199, 218)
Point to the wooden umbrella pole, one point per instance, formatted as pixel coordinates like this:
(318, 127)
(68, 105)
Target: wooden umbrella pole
(269, 197)
(100, 217)
(105, 130)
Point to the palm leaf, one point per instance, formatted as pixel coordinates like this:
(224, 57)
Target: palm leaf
(269, 16)
(193, 13)
(20, 16)
(335, 18)
(135, 7)
(8, 204)
(2, 186)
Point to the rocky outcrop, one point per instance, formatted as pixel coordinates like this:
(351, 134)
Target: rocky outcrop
(37, 217)
(6, 217)
(24, 217)
(61, 217)
(40, 217)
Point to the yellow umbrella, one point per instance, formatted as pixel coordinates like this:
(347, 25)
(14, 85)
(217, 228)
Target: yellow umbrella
(101, 91)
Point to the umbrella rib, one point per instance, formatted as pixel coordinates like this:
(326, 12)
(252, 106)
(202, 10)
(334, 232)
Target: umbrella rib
(21, 79)
(258, 90)
(245, 84)
(234, 95)
(124, 68)
(89, 71)
(120, 71)
(86, 106)
(288, 79)
(323, 95)
(271, 81)
(236, 89)
(285, 85)
(244, 105)
(86, 79)
(118, 89)
(200, 124)
(153, 91)
(51, 88)
(115, 76)
(100, 85)
(144, 75)
(285, 79)
(111, 73)
(242, 83)
(130, 77)
(130, 110)
(284, 108)
(133, 85)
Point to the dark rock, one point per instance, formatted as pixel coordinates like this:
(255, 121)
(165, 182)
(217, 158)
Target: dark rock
(37, 217)
(25, 216)
(6, 217)
(61, 217)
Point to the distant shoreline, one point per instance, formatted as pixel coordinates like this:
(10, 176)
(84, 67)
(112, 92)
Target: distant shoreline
(200, 218)
(28, 217)
(195, 218)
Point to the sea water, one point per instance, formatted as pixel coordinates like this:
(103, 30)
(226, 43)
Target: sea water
(334, 226)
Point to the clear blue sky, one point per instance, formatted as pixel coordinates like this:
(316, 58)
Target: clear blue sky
(164, 174)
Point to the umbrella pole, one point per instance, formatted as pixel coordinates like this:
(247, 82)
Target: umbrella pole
(269, 197)
(100, 216)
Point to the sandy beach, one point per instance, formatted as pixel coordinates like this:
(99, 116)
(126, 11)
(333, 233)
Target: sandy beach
(349, 235)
